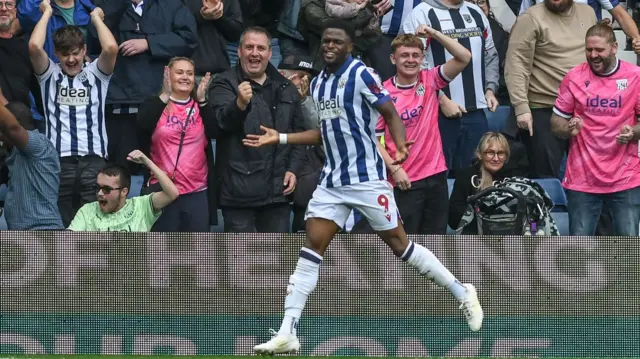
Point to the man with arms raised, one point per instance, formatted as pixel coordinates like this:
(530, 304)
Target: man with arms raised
(350, 98)
(421, 189)
(113, 211)
(597, 109)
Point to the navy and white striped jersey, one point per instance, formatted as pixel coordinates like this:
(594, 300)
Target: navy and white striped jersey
(74, 110)
(470, 27)
(346, 102)
(391, 23)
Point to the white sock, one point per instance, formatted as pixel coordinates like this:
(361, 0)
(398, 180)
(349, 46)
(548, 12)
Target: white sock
(301, 283)
(428, 265)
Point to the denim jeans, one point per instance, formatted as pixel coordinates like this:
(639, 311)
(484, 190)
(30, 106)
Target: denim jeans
(276, 57)
(460, 137)
(585, 209)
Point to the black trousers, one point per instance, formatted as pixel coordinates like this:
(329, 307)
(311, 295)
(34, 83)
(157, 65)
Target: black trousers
(544, 149)
(188, 213)
(424, 207)
(123, 139)
(78, 175)
(273, 218)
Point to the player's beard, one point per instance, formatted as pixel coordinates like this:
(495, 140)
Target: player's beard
(559, 8)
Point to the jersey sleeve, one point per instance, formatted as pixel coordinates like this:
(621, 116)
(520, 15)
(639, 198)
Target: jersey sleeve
(94, 69)
(381, 127)
(37, 145)
(436, 78)
(48, 73)
(609, 4)
(371, 88)
(637, 107)
(144, 207)
(565, 102)
(80, 222)
(487, 34)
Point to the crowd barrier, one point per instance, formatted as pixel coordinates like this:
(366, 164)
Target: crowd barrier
(122, 293)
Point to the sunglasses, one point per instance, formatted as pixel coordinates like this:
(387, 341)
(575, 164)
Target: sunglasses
(107, 189)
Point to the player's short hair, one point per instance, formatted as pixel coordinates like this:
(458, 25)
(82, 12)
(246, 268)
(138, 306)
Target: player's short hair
(23, 114)
(123, 174)
(340, 24)
(67, 39)
(255, 30)
(602, 30)
(407, 40)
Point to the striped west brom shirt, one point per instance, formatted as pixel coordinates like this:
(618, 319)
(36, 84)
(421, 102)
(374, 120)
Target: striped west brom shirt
(471, 28)
(346, 102)
(391, 23)
(74, 110)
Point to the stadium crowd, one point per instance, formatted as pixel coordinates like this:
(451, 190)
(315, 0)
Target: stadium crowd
(95, 95)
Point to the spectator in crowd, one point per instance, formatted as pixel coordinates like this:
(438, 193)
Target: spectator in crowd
(113, 212)
(474, 89)
(218, 22)
(492, 153)
(150, 33)
(314, 15)
(34, 167)
(291, 40)
(17, 78)
(545, 43)
(391, 22)
(180, 125)
(255, 182)
(421, 189)
(265, 14)
(73, 95)
(617, 11)
(64, 12)
(299, 70)
(597, 107)
(501, 41)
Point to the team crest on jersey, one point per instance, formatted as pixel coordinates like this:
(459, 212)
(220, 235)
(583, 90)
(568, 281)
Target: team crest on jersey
(467, 18)
(342, 83)
(420, 90)
(621, 84)
(82, 76)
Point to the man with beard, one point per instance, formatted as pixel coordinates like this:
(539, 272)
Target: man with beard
(545, 43)
(350, 98)
(113, 212)
(597, 108)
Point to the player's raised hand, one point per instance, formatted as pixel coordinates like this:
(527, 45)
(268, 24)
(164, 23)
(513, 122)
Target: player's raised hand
(270, 137)
(625, 136)
(575, 124)
(402, 152)
(45, 7)
(245, 94)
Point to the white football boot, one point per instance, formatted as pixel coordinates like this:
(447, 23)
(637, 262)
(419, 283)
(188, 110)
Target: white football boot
(472, 309)
(278, 344)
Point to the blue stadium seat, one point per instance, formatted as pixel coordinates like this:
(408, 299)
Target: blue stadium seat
(553, 187)
(136, 186)
(562, 221)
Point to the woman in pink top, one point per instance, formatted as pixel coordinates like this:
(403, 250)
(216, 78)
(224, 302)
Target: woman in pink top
(180, 124)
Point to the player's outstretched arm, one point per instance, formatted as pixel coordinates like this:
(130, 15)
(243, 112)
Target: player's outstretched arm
(461, 56)
(397, 130)
(272, 137)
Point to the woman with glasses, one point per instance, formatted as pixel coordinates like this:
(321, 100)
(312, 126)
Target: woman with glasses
(491, 154)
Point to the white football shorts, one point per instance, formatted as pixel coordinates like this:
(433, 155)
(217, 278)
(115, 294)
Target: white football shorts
(373, 199)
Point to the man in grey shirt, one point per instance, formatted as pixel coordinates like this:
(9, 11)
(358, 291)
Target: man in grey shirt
(34, 172)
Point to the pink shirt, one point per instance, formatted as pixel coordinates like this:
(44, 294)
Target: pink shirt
(596, 163)
(191, 173)
(418, 105)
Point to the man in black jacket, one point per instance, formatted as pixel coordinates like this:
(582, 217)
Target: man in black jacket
(255, 182)
(149, 34)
